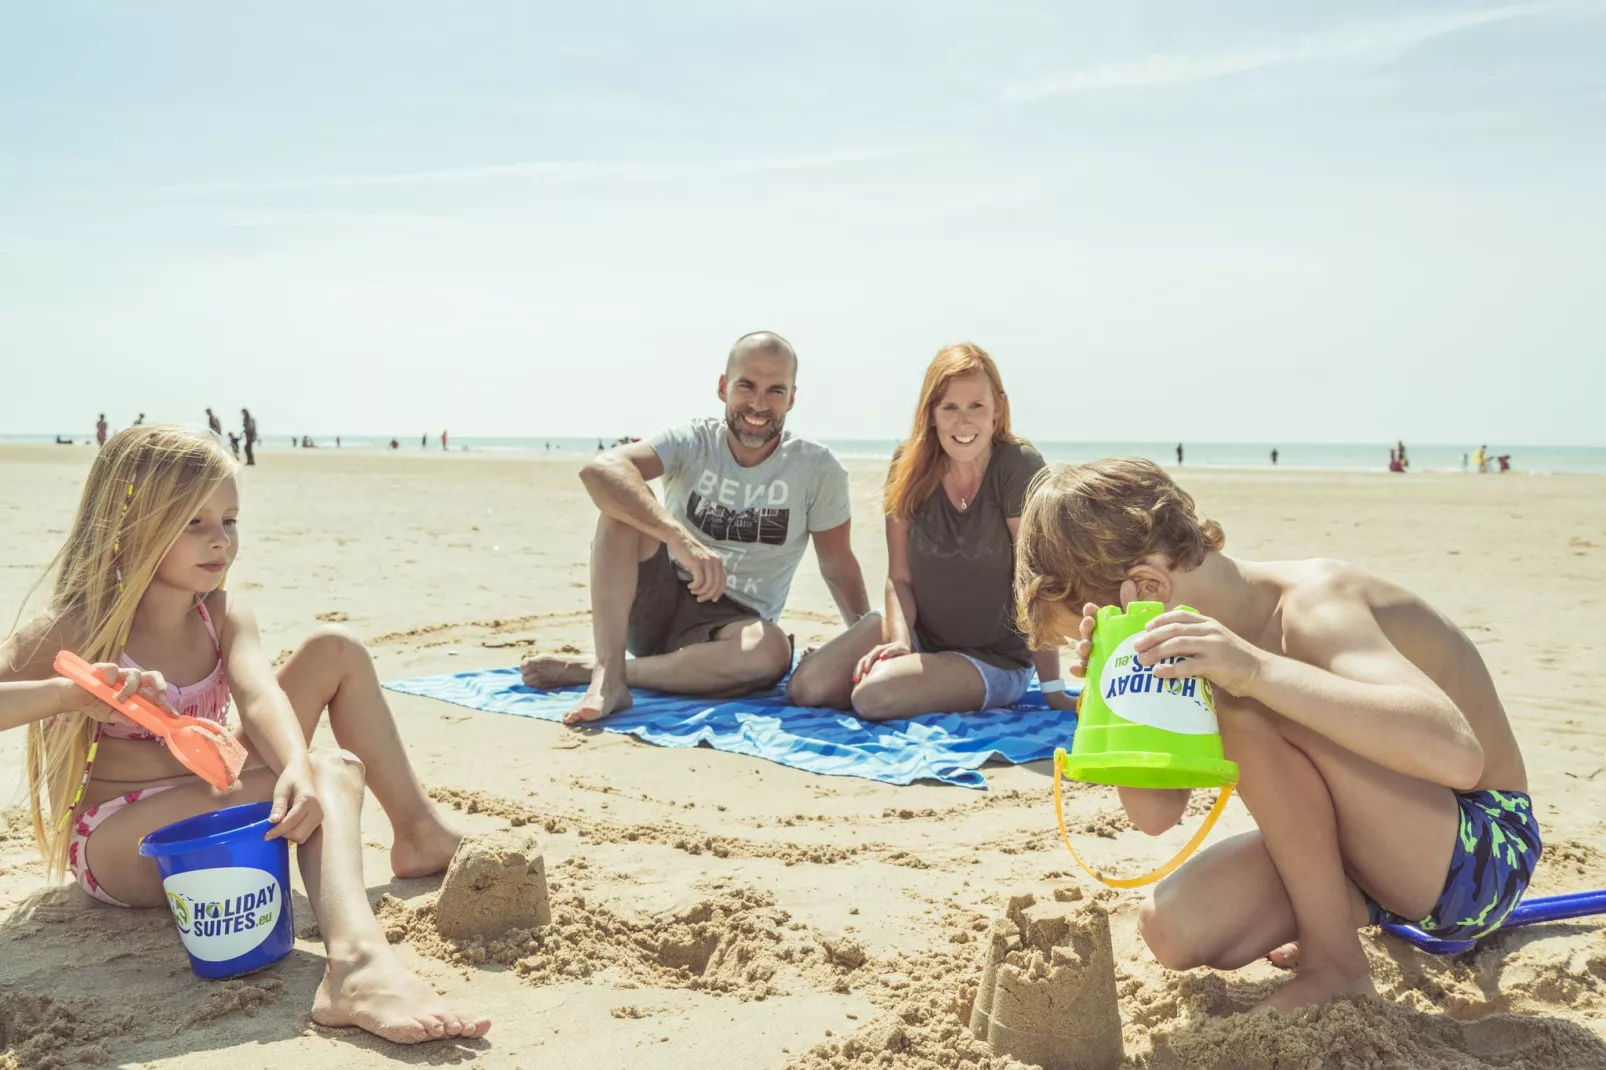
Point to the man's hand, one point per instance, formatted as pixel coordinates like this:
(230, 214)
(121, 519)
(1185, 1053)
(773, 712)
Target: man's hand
(296, 812)
(1210, 650)
(707, 568)
(881, 652)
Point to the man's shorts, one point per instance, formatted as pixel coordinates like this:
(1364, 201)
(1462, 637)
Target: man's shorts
(1496, 849)
(666, 616)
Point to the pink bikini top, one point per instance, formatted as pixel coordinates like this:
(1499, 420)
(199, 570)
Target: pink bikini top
(207, 699)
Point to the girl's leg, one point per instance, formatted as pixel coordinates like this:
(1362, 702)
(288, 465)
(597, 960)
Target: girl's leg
(825, 677)
(332, 670)
(916, 684)
(364, 984)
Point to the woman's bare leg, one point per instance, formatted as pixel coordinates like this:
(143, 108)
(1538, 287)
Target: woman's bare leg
(364, 984)
(919, 683)
(332, 670)
(824, 678)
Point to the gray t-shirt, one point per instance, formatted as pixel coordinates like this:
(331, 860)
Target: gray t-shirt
(962, 564)
(758, 519)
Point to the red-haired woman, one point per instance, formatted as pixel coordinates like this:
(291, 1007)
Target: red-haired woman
(953, 498)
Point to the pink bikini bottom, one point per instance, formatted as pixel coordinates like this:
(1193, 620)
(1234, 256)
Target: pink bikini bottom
(84, 827)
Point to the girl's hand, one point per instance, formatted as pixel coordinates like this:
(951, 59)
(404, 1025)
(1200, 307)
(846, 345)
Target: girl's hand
(152, 685)
(1210, 650)
(296, 812)
(880, 653)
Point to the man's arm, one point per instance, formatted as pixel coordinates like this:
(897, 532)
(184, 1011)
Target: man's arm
(617, 479)
(840, 570)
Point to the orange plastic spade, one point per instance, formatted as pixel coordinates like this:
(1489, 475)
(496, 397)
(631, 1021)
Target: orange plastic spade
(205, 748)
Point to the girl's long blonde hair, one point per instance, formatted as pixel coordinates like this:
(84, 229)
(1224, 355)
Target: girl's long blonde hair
(915, 468)
(145, 485)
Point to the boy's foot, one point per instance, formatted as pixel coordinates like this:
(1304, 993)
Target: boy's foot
(547, 671)
(1312, 986)
(425, 850)
(1285, 957)
(601, 698)
(381, 995)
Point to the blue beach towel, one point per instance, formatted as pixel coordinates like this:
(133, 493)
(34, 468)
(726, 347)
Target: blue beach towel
(949, 747)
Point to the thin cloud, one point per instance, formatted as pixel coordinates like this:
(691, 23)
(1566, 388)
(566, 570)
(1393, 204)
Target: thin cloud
(1168, 70)
(590, 170)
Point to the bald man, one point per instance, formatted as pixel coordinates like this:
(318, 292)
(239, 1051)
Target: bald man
(693, 586)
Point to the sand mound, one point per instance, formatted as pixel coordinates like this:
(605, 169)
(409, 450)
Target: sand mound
(1374, 1035)
(734, 942)
(496, 883)
(41, 1033)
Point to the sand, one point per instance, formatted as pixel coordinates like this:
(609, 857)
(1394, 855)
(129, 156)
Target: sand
(496, 882)
(709, 909)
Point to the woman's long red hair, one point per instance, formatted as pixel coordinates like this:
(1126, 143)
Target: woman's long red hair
(916, 467)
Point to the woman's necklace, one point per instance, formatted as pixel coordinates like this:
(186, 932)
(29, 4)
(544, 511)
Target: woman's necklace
(968, 495)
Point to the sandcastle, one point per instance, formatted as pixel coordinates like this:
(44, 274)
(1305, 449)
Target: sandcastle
(496, 882)
(1047, 992)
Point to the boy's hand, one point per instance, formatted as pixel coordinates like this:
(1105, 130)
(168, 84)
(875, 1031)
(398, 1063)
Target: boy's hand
(296, 812)
(1084, 645)
(1210, 649)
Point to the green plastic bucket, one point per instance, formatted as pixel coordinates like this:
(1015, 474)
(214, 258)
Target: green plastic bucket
(1136, 730)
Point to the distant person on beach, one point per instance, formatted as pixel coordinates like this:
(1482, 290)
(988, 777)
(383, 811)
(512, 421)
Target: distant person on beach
(141, 575)
(1480, 459)
(100, 430)
(443, 440)
(214, 423)
(1375, 757)
(395, 445)
(423, 441)
(62, 440)
(1179, 455)
(948, 641)
(250, 424)
(234, 444)
(139, 421)
(1394, 461)
(1274, 457)
(1505, 462)
(693, 586)
(1404, 464)
(1463, 462)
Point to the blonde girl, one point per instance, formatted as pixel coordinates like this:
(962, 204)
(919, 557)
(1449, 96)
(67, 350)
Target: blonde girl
(139, 592)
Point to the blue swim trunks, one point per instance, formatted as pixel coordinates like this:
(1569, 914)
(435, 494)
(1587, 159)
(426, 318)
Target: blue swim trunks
(1496, 850)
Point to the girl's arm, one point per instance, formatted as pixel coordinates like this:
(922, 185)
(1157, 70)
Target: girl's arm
(265, 711)
(31, 691)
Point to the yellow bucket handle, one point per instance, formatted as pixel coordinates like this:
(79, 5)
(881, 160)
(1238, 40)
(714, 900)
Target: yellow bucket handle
(1153, 875)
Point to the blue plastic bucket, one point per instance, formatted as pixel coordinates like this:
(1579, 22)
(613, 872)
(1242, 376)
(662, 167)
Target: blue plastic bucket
(228, 889)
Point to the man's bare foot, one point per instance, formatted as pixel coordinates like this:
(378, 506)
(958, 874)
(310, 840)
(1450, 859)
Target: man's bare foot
(1312, 986)
(547, 671)
(601, 698)
(1285, 957)
(423, 850)
(379, 994)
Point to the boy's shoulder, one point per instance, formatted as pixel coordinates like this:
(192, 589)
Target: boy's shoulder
(1325, 599)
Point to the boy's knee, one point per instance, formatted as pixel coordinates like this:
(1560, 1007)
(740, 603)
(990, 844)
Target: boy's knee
(1169, 945)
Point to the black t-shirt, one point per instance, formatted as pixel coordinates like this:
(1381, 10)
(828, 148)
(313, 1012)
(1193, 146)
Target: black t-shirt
(963, 564)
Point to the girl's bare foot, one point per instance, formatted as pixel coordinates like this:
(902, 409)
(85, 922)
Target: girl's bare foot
(377, 993)
(547, 671)
(1313, 985)
(423, 850)
(601, 698)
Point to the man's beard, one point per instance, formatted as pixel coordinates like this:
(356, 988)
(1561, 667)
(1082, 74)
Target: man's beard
(752, 437)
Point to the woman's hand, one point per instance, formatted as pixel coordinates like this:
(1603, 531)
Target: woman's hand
(1207, 648)
(128, 682)
(882, 652)
(296, 812)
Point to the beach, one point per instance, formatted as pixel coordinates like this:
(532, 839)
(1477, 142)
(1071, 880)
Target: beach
(810, 912)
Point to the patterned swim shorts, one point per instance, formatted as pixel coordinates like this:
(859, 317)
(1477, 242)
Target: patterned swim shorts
(1496, 850)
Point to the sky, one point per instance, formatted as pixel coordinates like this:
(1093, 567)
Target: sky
(1242, 221)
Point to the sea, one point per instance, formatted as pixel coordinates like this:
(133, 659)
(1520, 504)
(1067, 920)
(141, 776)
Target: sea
(1340, 457)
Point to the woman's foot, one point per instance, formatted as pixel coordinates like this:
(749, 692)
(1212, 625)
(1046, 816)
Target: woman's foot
(377, 993)
(1312, 986)
(424, 850)
(547, 671)
(601, 698)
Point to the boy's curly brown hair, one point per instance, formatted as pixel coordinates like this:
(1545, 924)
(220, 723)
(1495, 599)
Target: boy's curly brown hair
(1083, 528)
